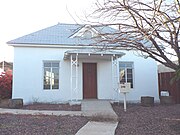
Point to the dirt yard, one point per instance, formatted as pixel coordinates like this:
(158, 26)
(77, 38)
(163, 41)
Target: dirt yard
(157, 120)
(40, 125)
(138, 120)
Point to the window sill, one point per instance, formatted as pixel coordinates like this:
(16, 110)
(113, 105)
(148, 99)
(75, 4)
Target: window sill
(51, 89)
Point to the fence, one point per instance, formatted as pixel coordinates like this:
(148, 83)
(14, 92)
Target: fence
(164, 84)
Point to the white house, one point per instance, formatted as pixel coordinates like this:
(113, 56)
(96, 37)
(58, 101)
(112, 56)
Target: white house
(64, 62)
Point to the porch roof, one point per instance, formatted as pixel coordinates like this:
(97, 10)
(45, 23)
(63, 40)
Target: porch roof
(90, 52)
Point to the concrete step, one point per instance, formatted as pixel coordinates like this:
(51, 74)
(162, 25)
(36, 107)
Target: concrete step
(98, 110)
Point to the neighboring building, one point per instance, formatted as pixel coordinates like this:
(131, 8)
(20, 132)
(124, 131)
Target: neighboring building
(5, 66)
(163, 69)
(1, 71)
(64, 62)
(165, 74)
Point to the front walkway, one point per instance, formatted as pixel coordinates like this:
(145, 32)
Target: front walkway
(98, 128)
(98, 109)
(103, 119)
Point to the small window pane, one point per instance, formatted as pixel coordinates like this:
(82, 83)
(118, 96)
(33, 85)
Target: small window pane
(129, 71)
(47, 72)
(126, 72)
(51, 75)
(129, 76)
(55, 64)
(130, 81)
(47, 64)
(56, 81)
(56, 84)
(122, 65)
(122, 74)
(55, 87)
(129, 65)
(55, 73)
(46, 86)
(47, 82)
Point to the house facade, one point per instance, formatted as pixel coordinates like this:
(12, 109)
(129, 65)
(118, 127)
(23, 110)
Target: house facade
(64, 62)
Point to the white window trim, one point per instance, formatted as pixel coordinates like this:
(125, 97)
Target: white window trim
(133, 72)
(42, 84)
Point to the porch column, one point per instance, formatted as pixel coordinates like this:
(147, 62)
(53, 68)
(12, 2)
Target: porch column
(115, 77)
(74, 77)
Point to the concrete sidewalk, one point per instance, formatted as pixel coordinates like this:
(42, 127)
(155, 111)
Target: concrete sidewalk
(98, 128)
(98, 109)
(40, 112)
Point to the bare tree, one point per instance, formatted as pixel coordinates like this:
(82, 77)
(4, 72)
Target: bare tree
(151, 26)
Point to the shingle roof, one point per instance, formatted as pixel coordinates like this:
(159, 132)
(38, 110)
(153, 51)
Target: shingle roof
(59, 35)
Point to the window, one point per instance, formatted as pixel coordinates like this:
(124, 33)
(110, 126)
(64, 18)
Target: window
(51, 75)
(126, 72)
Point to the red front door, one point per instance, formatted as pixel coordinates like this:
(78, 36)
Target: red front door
(89, 81)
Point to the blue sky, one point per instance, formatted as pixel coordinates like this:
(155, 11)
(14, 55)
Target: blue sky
(21, 17)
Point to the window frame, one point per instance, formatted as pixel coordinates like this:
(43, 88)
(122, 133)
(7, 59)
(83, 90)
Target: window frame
(43, 67)
(126, 73)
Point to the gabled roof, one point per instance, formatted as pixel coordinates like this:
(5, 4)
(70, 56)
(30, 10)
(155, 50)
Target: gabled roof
(163, 68)
(60, 34)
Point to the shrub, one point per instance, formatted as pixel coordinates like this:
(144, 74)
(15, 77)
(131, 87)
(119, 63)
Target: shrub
(6, 85)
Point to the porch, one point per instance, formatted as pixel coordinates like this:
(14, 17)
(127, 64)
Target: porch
(92, 64)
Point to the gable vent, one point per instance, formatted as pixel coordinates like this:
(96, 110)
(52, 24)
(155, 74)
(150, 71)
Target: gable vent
(87, 34)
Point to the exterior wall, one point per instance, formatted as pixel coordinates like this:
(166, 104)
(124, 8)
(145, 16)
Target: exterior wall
(145, 77)
(28, 76)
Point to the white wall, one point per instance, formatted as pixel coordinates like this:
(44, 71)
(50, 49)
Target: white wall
(28, 76)
(145, 77)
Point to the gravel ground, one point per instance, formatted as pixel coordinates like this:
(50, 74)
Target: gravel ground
(157, 120)
(43, 106)
(40, 125)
